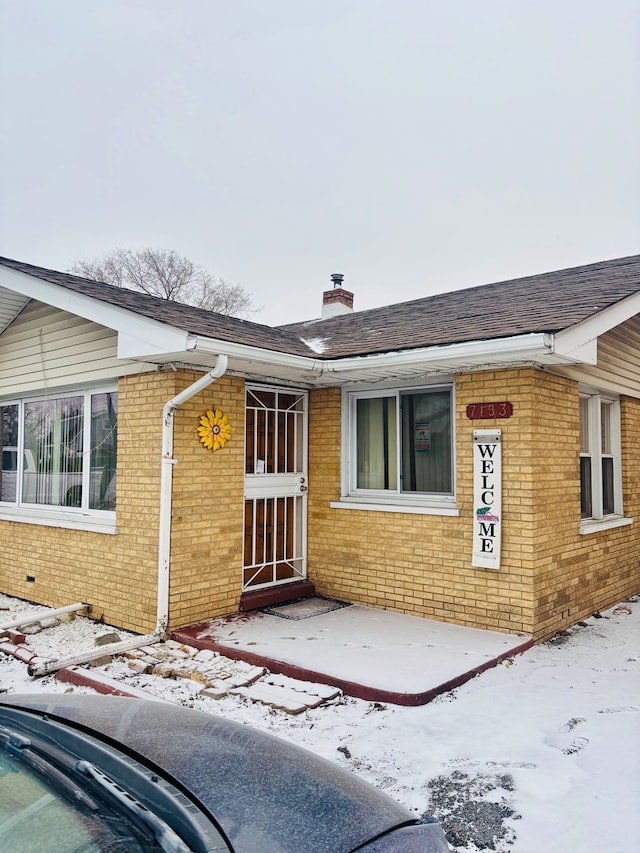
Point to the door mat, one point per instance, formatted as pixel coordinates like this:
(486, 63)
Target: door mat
(304, 608)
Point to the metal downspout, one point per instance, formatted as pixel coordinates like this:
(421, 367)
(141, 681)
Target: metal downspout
(166, 481)
(37, 668)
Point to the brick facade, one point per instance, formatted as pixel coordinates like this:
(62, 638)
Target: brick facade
(117, 573)
(208, 510)
(550, 575)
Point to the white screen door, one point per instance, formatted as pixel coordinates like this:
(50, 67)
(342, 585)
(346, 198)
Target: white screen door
(275, 487)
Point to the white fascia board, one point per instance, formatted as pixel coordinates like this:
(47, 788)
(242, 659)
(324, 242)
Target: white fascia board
(581, 339)
(137, 336)
(148, 339)
(248, 354)
(568, 351)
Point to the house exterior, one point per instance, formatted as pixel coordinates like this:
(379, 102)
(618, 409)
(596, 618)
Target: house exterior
(471, 457)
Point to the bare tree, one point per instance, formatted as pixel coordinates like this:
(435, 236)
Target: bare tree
(165, 273)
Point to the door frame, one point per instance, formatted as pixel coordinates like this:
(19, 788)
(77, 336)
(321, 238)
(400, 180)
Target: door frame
(284, 489)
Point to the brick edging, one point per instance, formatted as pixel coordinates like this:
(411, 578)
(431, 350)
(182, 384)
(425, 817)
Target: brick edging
(188, 636)
(103, 684)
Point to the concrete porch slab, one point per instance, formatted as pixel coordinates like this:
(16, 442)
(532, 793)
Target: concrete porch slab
(370, 654)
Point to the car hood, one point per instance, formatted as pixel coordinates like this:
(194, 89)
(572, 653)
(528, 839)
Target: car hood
(266, 794)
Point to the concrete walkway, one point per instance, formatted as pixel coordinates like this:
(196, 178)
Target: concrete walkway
(370, 654)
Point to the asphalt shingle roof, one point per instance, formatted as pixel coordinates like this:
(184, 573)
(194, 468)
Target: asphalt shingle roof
(193, 320)
(548, 302)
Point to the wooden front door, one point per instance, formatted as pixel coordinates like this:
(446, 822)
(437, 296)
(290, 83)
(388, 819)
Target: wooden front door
(275, 487)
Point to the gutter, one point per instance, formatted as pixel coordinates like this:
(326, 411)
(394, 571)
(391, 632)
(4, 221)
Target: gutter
(320, 369)
(514, 348)
(164, 536)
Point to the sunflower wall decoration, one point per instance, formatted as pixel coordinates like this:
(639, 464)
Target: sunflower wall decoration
(214, 429)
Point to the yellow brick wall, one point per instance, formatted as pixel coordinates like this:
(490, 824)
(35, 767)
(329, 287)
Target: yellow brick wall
(577, 575)
(117, 574)
(550, 576)
(421, 564)
(208, 489)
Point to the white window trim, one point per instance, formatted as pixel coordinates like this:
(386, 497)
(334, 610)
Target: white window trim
(96, 522)
(350, 502)
(383, 500)
(599, 521)
(589, 525)
(73, 518)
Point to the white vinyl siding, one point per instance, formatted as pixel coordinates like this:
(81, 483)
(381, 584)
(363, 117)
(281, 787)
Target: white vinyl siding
(10, 305)
(47, 348)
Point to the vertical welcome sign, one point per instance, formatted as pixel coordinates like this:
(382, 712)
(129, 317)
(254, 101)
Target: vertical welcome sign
(487, 498)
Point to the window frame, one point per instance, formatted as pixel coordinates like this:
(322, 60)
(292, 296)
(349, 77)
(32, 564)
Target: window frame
(82, 517)
(600, 519)
(391, 500)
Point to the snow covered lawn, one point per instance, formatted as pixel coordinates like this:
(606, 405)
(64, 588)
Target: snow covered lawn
(538, 755)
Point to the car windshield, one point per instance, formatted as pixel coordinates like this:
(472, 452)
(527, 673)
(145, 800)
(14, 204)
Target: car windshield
(35, 816)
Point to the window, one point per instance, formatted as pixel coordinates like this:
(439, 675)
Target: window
(600, 471)
(401, 444)
(60, 452)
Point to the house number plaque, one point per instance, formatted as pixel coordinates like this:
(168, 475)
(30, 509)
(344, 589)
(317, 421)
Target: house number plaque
(489, 411)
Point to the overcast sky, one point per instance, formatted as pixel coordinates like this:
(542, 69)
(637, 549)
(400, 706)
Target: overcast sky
(415, 146)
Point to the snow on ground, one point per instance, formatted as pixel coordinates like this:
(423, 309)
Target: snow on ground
(386, 651)
(538, 755)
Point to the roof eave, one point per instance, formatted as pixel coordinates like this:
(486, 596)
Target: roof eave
(446, 359)
(582, 337)
(137, 335)
(144, 339)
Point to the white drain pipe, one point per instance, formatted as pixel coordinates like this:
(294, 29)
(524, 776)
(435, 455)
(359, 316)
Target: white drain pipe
(164, 535)
(38, 615)
(166, 481)
(39, 666)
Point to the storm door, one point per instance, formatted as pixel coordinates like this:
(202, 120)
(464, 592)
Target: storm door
(275, 487)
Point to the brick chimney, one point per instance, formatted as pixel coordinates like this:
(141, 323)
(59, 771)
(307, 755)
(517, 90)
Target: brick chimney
(336, 301)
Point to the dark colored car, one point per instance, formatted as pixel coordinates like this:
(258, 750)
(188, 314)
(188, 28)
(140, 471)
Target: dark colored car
(95, 773)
